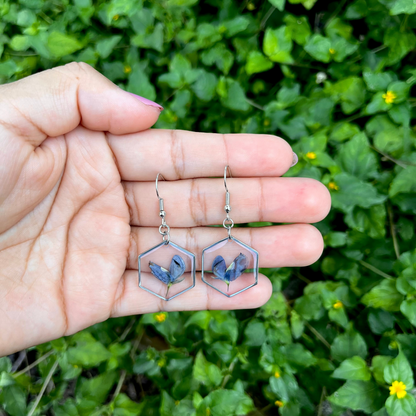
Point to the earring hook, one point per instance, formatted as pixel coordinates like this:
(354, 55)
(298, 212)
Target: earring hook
(157, 180)
(225, 176)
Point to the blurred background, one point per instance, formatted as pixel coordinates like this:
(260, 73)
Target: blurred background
(335, 79)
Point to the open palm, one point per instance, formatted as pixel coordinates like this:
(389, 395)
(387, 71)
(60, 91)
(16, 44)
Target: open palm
(77, 204)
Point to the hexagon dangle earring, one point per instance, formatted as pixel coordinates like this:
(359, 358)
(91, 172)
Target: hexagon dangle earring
(230, 266)
(166, 270)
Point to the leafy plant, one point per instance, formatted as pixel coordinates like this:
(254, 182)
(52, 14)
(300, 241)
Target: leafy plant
(336, 80)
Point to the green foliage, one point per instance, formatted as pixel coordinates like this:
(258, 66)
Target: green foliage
(336, 81)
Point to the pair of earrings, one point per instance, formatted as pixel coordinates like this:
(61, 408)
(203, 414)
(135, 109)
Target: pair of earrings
(168, 270)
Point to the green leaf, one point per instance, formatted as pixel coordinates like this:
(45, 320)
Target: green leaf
(357, 158)
(318, 47)
(378, 104)
(257, 62)
(404, 182)
(205, 372)
(123, 406)
(358, 395)
(354, 192)
(13, 400)
(255, 333)
(5, 364)
(348, 345)
(279, 4)
(408, 309)
(60, 44)
(385, 296)
(399, 369)
(350, 92)
(139, 84)
(235, 98)
(277, 45)
(371, 221)
(354, 368)
(105, 47)
(297, 325)
(298, 28)
(400, 43)
(377, 81)
(403, 6)
(381, 321)
(401, 407)
(288, 96)
(225, 403)
(378, 365)
(339, 316)
(200, 318)
(88, 352)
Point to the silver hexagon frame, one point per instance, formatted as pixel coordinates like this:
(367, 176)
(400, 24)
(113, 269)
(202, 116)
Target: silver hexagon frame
(255, 265)
(190, 256)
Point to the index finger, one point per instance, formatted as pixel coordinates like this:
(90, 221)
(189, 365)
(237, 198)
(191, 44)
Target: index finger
(179, 154)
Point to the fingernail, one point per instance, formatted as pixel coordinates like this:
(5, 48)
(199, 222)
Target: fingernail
(147, 102)
(294, 159)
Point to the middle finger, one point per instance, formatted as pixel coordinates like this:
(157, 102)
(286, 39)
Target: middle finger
(195, 202)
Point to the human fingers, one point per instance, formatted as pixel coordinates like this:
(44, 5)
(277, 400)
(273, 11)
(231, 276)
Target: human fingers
(182, 154)
(189, 203)
(291, 245)
(132, 300)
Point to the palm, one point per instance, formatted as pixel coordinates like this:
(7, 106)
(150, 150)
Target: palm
(78, 241)
(78, 204)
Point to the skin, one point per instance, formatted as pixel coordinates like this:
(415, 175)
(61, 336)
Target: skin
(77, 204)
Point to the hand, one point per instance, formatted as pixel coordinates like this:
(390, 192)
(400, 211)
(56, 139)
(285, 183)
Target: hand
(77, 204)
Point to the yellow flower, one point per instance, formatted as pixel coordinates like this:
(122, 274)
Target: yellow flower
(251, 6)
(266, 122)
(338, 305)
(399, 388)
(277, 374)
(389, 97)
(115, 17)
(311, 155)
(127, 69)
(331, 51)
(333, 186)
(160, 317)
(278, 403)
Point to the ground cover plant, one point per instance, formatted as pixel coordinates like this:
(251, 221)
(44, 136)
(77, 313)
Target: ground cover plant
(335, 79)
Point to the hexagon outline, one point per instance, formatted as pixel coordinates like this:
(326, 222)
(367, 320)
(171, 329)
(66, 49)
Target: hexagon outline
(192, 255)
(256, 268)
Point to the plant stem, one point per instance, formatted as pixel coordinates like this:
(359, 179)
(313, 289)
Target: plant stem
(375, 270)
(119, 384)
(45, 385)
(34, 364)
(318, 335)
(393, 232)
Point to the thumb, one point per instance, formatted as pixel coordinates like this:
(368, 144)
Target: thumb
(55, 101)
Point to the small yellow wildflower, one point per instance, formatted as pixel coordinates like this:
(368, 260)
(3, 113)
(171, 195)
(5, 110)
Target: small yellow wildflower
(389, 97)
(266, 122)
(278, 403)
(251, 6)
(338, 305)
(127, 69)
(116, 17)
(277, 374)
(333, 186)
(311, 155)
(160, 317)
(331, 51)
(399, 388)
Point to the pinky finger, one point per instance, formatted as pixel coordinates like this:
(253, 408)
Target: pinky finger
(131, 300)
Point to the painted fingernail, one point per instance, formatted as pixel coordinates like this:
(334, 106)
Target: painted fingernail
(294, 159)
(147, 102)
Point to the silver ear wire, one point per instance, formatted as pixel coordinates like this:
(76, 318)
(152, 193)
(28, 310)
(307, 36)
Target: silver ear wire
(164, 229)
(228, 223)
